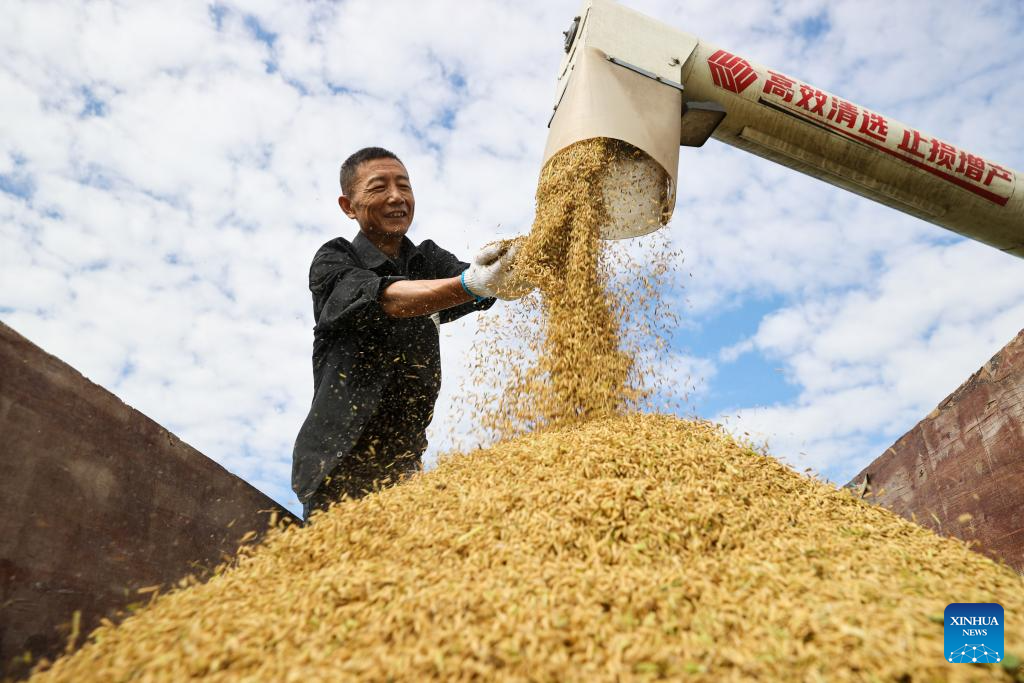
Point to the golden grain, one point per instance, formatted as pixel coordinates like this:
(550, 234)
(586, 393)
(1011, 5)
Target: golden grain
(602, 545)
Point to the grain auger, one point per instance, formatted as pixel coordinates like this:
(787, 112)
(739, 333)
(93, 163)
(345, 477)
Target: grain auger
(628, 77)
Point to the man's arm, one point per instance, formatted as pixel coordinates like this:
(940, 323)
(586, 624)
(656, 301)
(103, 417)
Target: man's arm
(480, 283)
(410, 298)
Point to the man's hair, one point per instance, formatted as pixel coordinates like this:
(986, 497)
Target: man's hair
(351, 165)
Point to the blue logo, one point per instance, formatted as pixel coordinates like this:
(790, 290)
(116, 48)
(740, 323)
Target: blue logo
(973, 632)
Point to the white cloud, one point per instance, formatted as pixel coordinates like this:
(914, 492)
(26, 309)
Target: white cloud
(728, 354)
(872, 361)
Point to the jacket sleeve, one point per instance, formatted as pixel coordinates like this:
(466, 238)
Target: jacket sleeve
(446, 264)
(347, 295)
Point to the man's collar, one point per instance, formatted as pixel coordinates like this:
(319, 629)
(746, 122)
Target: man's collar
(374, 257)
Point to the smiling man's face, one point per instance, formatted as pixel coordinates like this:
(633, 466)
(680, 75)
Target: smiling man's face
(382, 200)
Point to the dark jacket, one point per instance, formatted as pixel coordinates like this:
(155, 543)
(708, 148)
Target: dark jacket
(362, 357)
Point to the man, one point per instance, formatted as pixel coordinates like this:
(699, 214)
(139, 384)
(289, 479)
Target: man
(378, 302)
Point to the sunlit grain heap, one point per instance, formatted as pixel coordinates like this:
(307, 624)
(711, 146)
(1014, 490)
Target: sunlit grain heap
(603, 547)
(630, 547)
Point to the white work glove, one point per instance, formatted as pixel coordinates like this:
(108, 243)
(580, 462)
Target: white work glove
(492, 274)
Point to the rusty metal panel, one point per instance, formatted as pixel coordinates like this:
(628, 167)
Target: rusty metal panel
(960, 471)
(97, 501)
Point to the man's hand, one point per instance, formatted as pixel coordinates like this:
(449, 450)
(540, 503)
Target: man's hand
(492, 272)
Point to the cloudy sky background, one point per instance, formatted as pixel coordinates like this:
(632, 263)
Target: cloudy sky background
(167, 171)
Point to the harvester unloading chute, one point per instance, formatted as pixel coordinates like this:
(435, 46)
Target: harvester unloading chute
(629, 77)
(604, 100)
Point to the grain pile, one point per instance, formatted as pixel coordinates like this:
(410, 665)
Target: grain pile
(604, 545)
(626, 548)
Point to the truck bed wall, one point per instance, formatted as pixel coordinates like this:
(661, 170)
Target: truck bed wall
(97, 501)
(965, 458)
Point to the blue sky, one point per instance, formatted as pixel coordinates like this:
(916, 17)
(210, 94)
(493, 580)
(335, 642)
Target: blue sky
(168, 170)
